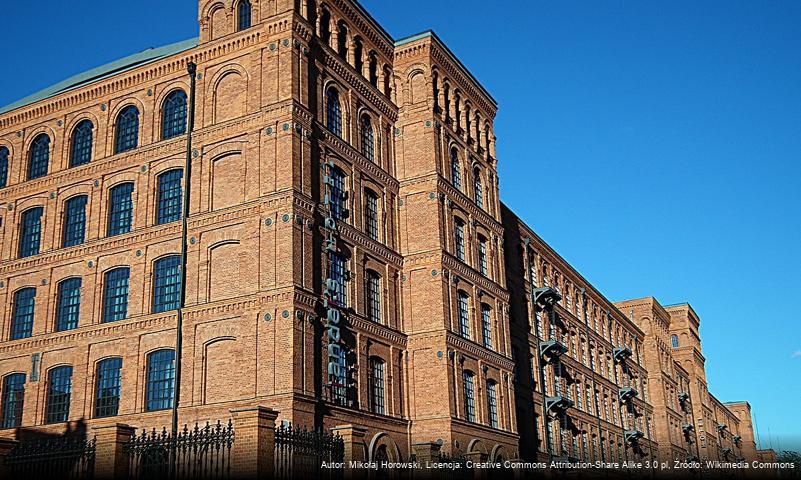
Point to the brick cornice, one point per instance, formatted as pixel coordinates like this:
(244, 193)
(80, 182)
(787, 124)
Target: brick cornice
(458, 268)
(377, 249)
(345, 150)
(466, 203)
(478, 352)
(335, 64)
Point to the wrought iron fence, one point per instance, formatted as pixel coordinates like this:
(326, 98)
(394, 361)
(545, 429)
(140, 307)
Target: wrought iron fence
(198, 453)
(300, 453)
(57, 457)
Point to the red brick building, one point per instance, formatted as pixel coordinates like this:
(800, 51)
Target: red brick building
(348, 259)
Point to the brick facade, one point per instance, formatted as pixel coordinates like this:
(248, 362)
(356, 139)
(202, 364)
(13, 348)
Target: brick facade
(309, 89)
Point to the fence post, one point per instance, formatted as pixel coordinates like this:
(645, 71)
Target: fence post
(353, 436)
(6, 445)
(111, 461)
(424, 453)
(253, 452)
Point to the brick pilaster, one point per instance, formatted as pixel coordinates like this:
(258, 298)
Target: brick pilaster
(253, 452)
(110, 459)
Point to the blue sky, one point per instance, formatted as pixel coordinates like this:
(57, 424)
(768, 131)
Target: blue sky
(656, 145)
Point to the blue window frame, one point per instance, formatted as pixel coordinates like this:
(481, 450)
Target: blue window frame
(13, 400)
(107, 388)
(456, 169)
(120, 211)
(478, 189)
(169, 197)
(82, 137)
(68, 309)
(373, 291)
(127, 131)
(22, 315)
(74, 221)
(39, 157)
(244, 15)
(459, 238)
(492, 403)
(30, 232)
(173, 120)
(334, 112)
(4, 153)
(371, 214)
(337, 274)
(674, 341)
(338, 198)
(486, 325)
(115, 294)
(160, 380)
(167, 284)
(463, 311)
(59, 391)
(469, 396)
(368, 138)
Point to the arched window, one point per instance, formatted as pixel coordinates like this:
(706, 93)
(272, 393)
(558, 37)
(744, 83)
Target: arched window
(486, 325)
(13, 400)
(127, 130)
(456, 169)
(478, 188)
(469, 396)
(68, 308)
(367, 138)
(74, 221)
(358, 55)
(377, 385)
(120, 211)
(39, 157)
(373, 296)
(107, 387)
(342, 40)
(30, 235)
(373, 69)
(82, 138)
(334, 112)
(115, 294)
(170, 197)
(4, 153)
(337, 273)
(244, 15)
(167, 284)
(463, 310)
(459, 238)
(387, 81)
(173, 120)
(371, 214)
(160, 380)
(325, 26)
(59, 391)
(22, 313)
(492, 403)
(482, 255)
(337, 196)
(674, 340)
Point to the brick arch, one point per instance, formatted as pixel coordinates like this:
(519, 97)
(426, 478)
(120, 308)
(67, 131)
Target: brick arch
(382, 439)
(229, 98)
(476, 446)
(227, 187)
(224, 278)
(498, 453)
(159, 104)
(223, 380)
(69, 131)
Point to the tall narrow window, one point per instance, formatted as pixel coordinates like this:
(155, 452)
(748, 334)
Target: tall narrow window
(59, 391)
(368, 138)
(482, 255)
(478, 189)
(325, 26)
(459, 238)
(371, 214)
(342, 40)
(469, 396)
(173, 115)
(334, 112)
(107, 388)
(169, 197)
(115, 294)
(127, 131)
(74, 221)
(492, 403)
(377, 376)
(13, 400)
(244, 14)
(120, 209)
(372, 69)
(456, 169)
(82, 138)
(338, 198)
(68, 308)
(4, 153)
(166, 284)
(22, 315)
(486, 324)
(337, 273)
(674, 341)
(373, 291)
(160, 380)
(464, 314)
(30, 232)
(358, 55)
(39, 157)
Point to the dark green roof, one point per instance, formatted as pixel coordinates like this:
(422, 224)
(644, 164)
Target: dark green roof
(147, 56)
